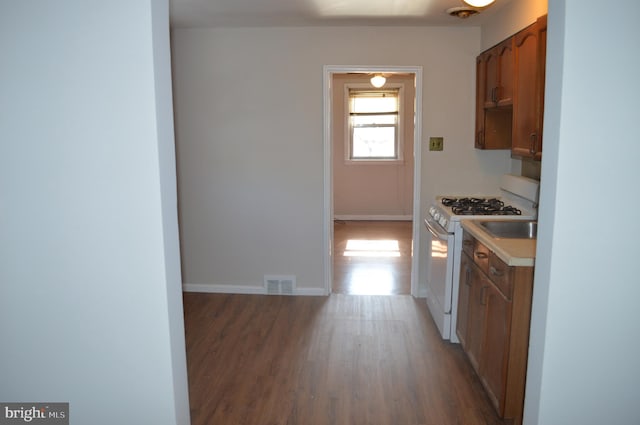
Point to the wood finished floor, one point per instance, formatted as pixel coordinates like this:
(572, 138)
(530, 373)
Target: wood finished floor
(337, 360)
(377, 260)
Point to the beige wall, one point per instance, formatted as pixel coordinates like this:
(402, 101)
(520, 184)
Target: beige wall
(249, 136)
(372, 190)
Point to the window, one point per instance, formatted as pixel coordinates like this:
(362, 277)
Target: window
(374, 124)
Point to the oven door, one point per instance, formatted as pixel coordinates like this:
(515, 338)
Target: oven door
(440, 277)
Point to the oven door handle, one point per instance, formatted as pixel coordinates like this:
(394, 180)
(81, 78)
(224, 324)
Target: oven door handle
(431, 226)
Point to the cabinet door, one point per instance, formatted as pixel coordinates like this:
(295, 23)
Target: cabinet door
(540, 82)
(526, 138)
(499, 75)
(504, 92)
(464, 294)
(480, 93)
(491, 66)
(493, 123)
(495, 348)
(476, 319)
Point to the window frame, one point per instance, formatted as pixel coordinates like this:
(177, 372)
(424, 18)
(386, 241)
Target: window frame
(348, 140)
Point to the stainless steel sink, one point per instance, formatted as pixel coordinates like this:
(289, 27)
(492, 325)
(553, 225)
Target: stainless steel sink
(511, 229)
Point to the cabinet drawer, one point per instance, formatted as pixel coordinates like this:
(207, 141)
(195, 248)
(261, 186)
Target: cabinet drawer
(500, 274)
(481, 256)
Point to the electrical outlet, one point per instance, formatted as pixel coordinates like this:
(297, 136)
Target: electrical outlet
(436, 143)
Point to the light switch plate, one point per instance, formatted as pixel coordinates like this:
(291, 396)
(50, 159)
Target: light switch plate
(436, 143)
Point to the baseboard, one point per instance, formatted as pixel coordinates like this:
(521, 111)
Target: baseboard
(213, 288)
(373, 217)
(223, 289)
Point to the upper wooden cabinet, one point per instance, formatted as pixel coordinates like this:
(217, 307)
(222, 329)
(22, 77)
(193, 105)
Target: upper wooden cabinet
(528, 105)
(510, 93)
(498, 81)
(493, 123)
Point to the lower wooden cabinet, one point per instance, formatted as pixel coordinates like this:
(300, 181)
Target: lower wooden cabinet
(494, 312)
(495, 346)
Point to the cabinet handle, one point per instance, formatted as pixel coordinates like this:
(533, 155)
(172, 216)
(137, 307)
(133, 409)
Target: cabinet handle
(532, 143)
(467, 277)
(481, 255)
(494, 96)
(483, 300)
(495, 271)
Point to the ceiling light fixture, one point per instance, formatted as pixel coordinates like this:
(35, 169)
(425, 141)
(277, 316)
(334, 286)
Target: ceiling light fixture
(479, 3)
(462, 12)
(378, 81)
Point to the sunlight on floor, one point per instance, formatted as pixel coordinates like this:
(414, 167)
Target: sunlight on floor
(372, 258)
(372, 248)
(371, 280)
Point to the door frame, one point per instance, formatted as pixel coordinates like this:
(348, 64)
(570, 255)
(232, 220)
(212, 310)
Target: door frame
(328, 71)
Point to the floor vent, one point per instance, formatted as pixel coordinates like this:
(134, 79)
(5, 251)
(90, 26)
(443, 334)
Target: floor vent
(280, 285)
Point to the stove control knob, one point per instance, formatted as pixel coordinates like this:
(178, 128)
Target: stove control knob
(443, 222)
(436, 216)
(432, 211)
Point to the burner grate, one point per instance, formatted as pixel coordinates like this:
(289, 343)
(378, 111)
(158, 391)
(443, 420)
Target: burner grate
(479, 206)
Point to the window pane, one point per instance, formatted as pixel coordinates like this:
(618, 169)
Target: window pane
(373, 121)
(374, 104)
(357, 120)
(374, 142)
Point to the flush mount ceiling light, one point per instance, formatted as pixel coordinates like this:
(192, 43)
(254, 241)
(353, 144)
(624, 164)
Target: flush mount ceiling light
(378, 81)
(462, 12)
(478, 3)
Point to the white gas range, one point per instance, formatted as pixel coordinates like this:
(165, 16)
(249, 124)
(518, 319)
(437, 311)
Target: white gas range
(517, 200)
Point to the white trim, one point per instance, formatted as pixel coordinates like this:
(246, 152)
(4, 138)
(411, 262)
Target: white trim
(417, 178)
(213, 288)
(223, 289)
(327, 182)
(355, 217)
(310, 292)
(327, 212)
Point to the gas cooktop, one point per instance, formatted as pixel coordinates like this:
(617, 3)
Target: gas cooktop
(479, 206)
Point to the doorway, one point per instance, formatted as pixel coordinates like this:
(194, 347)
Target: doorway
(356, 218)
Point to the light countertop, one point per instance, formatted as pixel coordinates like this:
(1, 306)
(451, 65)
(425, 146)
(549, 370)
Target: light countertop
(514, 252)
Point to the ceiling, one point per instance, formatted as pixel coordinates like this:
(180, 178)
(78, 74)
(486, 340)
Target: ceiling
(290, 13)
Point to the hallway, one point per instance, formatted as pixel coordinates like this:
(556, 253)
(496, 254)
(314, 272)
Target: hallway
(372, 257)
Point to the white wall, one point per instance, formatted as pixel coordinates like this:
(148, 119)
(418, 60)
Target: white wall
(169, 206)
(583, 360)
(250, 143)
(90, 301)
